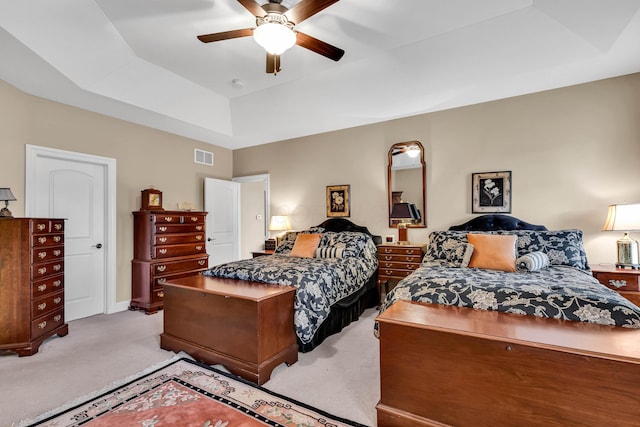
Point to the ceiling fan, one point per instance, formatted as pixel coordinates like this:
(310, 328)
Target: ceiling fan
(274, 30)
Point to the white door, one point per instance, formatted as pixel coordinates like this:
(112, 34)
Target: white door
(75, 190)
(221, 201)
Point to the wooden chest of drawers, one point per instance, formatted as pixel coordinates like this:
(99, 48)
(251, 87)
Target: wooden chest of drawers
(31, 283)
(166, 245)
(396, 262)
(625, 282)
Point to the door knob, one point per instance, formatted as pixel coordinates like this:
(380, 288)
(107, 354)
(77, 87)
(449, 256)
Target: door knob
(98, 246)
(209, 239)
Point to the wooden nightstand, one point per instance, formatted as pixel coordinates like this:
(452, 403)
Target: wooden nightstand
(256, 254)
(396, 262)
(624, 281)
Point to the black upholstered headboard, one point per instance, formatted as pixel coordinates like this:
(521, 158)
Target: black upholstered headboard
(341, 224)
(496, 222)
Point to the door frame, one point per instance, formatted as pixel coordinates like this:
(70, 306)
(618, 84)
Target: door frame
(267, 211)
(33, 152)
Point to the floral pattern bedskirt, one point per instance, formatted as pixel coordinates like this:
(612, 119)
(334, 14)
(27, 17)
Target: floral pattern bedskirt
(559, 292)
(321, 282)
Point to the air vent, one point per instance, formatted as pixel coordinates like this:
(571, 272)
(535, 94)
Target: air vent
(203, 157)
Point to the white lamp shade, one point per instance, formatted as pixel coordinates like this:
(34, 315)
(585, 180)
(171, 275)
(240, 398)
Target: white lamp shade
(279, 223)
(275, 38)
(623, 218)
(6, 194)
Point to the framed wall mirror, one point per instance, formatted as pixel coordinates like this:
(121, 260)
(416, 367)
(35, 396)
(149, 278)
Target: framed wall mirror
(406, 185)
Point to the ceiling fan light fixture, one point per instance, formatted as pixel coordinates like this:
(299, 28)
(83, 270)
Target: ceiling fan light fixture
(274, 33)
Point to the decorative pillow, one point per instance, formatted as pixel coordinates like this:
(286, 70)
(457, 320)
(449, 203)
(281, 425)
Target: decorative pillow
(442, 242)
(493, 251)
(352, 242)
(305, 245)
(533, 261)
(563, 247)
(455, 256)
(326, 252)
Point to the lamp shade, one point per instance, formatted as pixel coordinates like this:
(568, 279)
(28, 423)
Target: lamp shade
(279, 223)
(275, 38)
(404, 210)
(623, 218)
(6, 194)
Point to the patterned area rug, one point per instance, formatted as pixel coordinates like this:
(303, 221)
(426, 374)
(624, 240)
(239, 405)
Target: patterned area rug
(187, 393)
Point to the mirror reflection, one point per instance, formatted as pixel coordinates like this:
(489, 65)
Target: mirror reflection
(406, 185)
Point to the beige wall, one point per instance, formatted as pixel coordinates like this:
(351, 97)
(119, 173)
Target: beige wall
(572, 152)
(144, 157)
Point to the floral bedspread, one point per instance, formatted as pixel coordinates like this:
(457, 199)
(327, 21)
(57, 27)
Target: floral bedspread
(559, 292)
(321, 282)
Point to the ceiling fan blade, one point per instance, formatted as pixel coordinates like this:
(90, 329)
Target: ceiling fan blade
(318, 46)
(306, 9)
(253, 7)
(273, 63)
(225, 35)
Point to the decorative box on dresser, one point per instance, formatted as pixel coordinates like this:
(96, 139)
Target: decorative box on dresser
(624, 281)
(395, 262)
(31, 283)
(166, 245)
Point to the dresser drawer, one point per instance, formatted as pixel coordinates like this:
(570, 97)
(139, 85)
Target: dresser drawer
(393, 273)
(44, 254)
(178, 228)
(46, 226)
(47, 240)
(42, 306)
(166, 268)
(47, 323)
(399, 258)
(179, 219)
(399, 265)
(619, 281)
(48, 285)
(177, 250)
(172, 239)
(400, 250)
(46, 269)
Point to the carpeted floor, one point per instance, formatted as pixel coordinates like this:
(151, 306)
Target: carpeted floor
(186, 393)
(341, 376)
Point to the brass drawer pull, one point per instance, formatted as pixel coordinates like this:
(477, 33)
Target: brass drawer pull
(161, 268)
(199, 247)
(162, 228)
(57, 267)
(42, 306)
(57, 252)
(57, 238)
(42, 270)
(161, 281)
(42, 325)
(199, 237)
(388, 258)
(41, 227)
(42, 240)
(42, 255)
(618, 283)
(202, 262)
(57, 283)
(42, 288)
(198, 227)
(58, 227)
(163, 251)
(162, 239)
(57, 300)
(57, 317)
(160, 294)
(194, 218)
(168, 218)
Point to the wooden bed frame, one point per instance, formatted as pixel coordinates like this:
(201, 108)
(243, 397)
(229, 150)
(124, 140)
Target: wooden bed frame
(443, 365)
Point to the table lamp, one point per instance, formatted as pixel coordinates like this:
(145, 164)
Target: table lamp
(279, 223)
(6, 195)
(625, 218)
(405, 213)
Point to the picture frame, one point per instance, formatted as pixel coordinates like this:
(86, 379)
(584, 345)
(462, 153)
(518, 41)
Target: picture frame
(338, 201)
(389, 239)
(491, 192)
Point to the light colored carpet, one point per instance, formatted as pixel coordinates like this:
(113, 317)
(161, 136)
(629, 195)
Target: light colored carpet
(341, 376)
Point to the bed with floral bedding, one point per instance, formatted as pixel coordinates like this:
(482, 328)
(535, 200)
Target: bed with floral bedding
(559, 286)
(333, 286)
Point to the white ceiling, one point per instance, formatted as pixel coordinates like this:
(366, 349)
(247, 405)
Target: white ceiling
(139, 60)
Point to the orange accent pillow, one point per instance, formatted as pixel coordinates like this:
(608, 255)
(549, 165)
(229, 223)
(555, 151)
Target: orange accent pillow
(305, 245)
(493, 252)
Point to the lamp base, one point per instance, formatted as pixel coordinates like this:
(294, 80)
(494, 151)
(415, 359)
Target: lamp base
(627, 250)
(402, 235)
(5, 213)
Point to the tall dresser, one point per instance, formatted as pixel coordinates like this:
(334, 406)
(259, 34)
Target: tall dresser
(31, 283)
(166, 245)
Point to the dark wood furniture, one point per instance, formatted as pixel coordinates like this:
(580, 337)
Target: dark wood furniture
(256, 254)
(31, 283)
(166, 245)
(245, 326)
(625, 282)
(395, 262)
(443, 365)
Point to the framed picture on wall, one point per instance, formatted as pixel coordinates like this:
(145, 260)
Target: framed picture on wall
(491, 192)
(338, 200)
